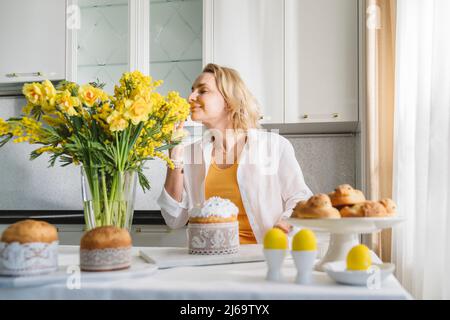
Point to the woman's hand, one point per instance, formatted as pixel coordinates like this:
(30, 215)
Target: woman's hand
(174, 178)
(284, 226)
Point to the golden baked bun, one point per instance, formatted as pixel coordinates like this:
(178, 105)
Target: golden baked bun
(369, 209)
(317, 207)
(106, 237)
(345, 195)
(27, 231)
(389, 204)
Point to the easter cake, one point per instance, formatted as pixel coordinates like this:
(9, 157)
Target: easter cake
(214, 228)
(29, 247)
(105, 248)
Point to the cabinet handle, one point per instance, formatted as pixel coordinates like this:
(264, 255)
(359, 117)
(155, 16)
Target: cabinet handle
(24, 74)
(319, 116)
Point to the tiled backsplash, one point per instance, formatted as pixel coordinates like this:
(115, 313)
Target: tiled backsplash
(326, 160)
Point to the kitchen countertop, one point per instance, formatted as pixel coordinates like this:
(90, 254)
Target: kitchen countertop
(230, 281)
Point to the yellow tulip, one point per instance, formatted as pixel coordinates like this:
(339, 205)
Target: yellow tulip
(34, 92)
(89, 95)
(49, 89)
(66, 103)
(137, 111)
(117, 122)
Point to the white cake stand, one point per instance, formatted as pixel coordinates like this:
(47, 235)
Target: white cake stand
(344, 233)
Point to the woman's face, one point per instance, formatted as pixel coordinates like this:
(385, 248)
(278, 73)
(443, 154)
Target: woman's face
(207, 103)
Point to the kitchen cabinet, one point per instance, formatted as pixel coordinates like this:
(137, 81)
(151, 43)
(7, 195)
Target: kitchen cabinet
(102, 41)
(176, 45)
(33, 40)
(248, 36)
(321, 61)
(158, 37)
(298, 57)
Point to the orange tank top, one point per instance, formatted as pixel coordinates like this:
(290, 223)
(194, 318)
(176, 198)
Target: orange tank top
(223, 183)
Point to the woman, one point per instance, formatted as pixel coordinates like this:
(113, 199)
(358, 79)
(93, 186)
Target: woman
(235, 159)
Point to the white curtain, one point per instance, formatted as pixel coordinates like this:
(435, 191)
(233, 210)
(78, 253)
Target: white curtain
(421, 246)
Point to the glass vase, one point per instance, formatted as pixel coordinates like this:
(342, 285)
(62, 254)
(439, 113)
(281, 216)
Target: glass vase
(108, 197)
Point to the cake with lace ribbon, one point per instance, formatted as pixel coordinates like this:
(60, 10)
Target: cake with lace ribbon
(214, 228)
(29, 247)
(105, 248)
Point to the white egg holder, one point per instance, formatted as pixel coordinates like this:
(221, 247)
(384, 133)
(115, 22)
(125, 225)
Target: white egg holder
(344, 233)
(303, 260)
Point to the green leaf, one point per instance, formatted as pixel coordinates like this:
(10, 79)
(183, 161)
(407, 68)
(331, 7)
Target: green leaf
(36, 113)
(135, 135)
(34, 154)
(164, 147)
(4, 139)
(65, 160)
(77, 123)
(98, 84)
(53, 159)
(143, 181)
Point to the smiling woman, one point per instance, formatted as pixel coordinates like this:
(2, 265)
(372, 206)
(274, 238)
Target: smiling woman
(235, 160)
(228, 96)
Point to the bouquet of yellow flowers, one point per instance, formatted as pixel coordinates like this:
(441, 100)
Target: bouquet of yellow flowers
(110, 136)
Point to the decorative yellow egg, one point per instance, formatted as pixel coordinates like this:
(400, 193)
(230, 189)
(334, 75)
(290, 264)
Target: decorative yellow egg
(275, 239)
(304, 240)
(358, 258)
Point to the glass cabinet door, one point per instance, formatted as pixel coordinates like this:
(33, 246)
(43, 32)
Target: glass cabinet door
(102, 42)
(103, 46)
(176, 43)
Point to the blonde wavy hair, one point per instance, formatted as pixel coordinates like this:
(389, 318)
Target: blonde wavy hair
(244, 109)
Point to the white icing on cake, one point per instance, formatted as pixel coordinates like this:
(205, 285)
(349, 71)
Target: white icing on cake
(215, 207)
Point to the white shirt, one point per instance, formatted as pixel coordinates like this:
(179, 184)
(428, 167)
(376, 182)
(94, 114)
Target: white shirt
(269, 176)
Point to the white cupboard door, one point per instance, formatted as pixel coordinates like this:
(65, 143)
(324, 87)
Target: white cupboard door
(321, 61)
(32, 37)
(248, 36)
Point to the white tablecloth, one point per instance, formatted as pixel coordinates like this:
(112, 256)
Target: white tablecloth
(231, 281)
